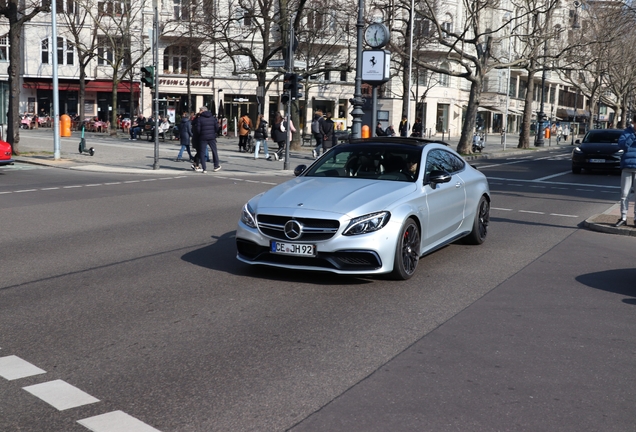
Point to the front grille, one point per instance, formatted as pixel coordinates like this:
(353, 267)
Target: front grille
(313, 229)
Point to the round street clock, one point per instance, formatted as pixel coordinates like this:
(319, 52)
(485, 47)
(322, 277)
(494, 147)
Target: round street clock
(377, 35)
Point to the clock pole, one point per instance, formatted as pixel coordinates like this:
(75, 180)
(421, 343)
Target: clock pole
(358, 101)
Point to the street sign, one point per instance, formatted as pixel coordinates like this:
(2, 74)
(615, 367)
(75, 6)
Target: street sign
(276, 63)
(299, 64)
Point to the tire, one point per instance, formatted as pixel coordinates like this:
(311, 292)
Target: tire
(92, 151)
(576, 170)
(480, 225)
(407, 251)
(80, 148)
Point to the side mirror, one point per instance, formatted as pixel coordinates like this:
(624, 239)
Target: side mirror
(299, 170)
(438, 176)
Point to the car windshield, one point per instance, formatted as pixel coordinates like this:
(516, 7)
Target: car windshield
(603, 136)
(391, 162)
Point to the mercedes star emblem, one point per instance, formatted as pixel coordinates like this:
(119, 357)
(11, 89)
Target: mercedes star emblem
(293, 229)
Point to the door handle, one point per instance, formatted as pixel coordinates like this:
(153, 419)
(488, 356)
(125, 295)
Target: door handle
(458, 185)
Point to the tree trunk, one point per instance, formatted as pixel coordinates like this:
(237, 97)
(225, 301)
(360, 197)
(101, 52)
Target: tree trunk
(13, 115)
(465, 145)
(524, 136)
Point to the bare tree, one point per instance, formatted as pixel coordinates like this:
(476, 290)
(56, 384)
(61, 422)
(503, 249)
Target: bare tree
(81, 29)
(18, 13)
(119, 42)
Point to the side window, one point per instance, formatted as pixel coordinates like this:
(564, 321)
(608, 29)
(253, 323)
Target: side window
(444, 161)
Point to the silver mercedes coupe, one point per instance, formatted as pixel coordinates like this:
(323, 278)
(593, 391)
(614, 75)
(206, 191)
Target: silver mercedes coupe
(370, 206)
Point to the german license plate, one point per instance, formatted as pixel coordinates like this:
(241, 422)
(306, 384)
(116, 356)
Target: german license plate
(297, 249)
(597, 160)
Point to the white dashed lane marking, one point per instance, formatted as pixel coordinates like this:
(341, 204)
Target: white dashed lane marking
(13, 368)
(116, 421)
(533, 212)
(60, 394)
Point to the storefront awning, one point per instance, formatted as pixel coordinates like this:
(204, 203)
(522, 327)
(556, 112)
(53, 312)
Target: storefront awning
(91, 86)
(490, 109)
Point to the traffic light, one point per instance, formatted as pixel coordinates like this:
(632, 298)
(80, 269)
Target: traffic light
(296, 86)
(148, 77)
(287, 87)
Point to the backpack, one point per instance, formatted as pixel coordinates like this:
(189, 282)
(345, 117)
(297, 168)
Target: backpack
(315, 126)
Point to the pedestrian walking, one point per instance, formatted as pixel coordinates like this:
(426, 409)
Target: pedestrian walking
(627, 143)
(185, 134)
(260, 136)
(245, 126)
(329, 140)
(566, 132)
(403, 127)
(318, 132)
(278, 136)
(208, 128)
(199, 152)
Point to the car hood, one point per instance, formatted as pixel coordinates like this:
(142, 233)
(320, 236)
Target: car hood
(335, 195)
(599, 147)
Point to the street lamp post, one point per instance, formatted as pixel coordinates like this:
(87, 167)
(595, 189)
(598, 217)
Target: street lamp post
(541, 115)
(575, 26)
(357, 101)
(508, 16)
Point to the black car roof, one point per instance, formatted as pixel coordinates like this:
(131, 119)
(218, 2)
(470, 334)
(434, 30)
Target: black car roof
(421, 142)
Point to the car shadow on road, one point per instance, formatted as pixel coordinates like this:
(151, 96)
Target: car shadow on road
(221, 256)
(619, 281)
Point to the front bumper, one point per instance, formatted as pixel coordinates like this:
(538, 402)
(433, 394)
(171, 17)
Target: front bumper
(371, 253)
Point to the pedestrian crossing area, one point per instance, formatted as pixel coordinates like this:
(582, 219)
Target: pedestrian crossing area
(63, 396)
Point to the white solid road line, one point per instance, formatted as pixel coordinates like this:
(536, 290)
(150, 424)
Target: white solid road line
(13, 368)
(60, 394)
(116, 421)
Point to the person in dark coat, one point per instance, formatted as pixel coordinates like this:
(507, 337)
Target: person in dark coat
(403, 128)
(330, 136)
(417, 128)
(279, 136)
(379, 131)
(207, 127)
(185, 133)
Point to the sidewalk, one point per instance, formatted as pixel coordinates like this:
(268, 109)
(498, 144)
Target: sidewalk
(117, 154)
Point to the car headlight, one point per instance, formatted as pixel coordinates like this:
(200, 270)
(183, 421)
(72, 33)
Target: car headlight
(367, 223)
(247, 216)
(577, 150)
(619, 153)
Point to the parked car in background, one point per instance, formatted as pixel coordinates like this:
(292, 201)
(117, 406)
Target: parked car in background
(369, 206)
(597, 151)
(5, 153)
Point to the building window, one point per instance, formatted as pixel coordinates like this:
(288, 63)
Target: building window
(44, 58)
(421, 27)
(65, 6)
(444, 78)
(447, 26)
(243, 17)
(65, 52)
(4, 48)
(112, 7)
(183, 9)
(328, 67)
(177, 61)
(104, 51)
(343, 76)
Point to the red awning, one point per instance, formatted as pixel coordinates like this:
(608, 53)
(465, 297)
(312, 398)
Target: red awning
(91, 86)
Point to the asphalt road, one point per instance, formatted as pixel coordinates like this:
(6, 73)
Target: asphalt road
(126, 287)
